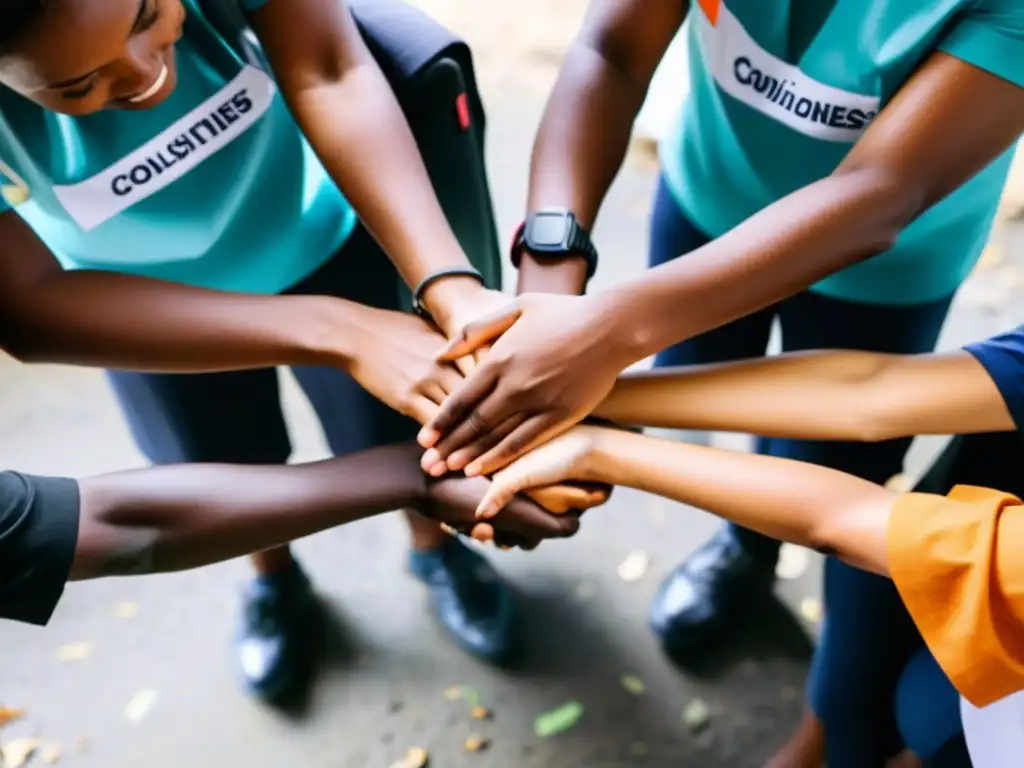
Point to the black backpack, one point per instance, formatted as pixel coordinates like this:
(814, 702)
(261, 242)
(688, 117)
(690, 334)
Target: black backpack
(431, 73)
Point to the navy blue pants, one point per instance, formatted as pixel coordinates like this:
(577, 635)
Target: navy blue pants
(868, 636)
(236, 417)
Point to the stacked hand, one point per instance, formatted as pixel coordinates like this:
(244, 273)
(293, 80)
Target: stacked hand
(553, 359)
(397, 363)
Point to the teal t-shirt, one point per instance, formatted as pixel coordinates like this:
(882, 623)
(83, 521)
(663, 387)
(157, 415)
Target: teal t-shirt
(780, 90)
(214, 187)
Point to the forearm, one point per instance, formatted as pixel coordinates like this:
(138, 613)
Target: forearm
(122, 321)
(826, 395)
(177, 517)
(579, 149)
(792, 501)
(785, 248)
(370, 152)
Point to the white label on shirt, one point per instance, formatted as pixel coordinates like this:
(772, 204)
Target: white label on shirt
(189, 141)
(746, 71)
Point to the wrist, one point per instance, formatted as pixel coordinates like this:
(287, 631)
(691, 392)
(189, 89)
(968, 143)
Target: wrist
(627, 330)
(567, 275)
(442, 297)
(332, 332)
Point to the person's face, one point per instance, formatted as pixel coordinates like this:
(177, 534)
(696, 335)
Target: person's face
(88, 55)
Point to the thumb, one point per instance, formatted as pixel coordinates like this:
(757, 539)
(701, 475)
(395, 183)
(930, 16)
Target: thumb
(504, 487)
(479, 333)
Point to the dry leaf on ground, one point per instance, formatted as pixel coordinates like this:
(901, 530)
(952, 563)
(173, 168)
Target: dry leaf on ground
(810, 609)
(634, 567)
(480, 713)
(10, 714)
(453, 692)
(416, 757)
(16, 753)
(140, 705)
(126, 610)
(558, 720)
(476, 743)
(50, 753)
(633, 684)
(74, 652)
(696, 715)
(792, 563)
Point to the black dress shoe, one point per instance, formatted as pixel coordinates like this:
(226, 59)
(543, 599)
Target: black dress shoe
(469, 600)
(698, 601)
(277, 611)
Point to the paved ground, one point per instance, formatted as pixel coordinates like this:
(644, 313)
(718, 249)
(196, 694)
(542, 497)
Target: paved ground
(384, 666)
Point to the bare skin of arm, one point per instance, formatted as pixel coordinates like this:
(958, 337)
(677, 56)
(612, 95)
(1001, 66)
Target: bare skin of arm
(585, 131)
(820, 508)
(177, 517)
(342, 101)
(828, 395)
(557, 358)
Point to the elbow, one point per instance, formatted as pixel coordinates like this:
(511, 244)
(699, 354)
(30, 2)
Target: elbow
(889, 201)
(21, 342)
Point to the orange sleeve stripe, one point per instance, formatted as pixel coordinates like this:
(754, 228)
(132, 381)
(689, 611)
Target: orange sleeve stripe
(710, 8)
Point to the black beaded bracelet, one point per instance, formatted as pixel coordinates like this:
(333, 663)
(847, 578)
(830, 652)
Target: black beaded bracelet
(426, 282)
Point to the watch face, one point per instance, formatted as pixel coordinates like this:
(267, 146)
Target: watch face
(549, 230)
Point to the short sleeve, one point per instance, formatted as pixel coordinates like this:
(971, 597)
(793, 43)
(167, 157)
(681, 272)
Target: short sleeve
(991, 36)
(1003, 358)
(38, 536)
(958, 563)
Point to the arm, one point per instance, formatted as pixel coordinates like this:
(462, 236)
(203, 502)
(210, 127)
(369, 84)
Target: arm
(888, 179)
(178, 517)
(833, 395)
(346, 109)
(820, 508)
(588, 120)
(555, 359)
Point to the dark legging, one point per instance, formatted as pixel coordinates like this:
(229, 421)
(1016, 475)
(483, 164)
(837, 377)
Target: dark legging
(860, 658)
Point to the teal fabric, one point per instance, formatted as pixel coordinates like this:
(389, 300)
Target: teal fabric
(214, 187)
(780, 90)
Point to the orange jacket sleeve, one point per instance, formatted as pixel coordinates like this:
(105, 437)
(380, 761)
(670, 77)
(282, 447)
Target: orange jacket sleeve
(958, 562)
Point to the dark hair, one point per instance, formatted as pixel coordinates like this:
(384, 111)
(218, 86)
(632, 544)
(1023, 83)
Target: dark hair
(16, 17)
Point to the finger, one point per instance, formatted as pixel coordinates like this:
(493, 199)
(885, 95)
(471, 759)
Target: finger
(483, 532)
(530, 434)
(559, 499)
(503, 489)
(442, 382)
(521, 516)
(458, 405)
(458, 459)
(420, 407)
(481, 331)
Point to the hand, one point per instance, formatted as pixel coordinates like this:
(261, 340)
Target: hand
(460, 302)
(453, 501)
(569, 456)
(554, 359)
(395, 362)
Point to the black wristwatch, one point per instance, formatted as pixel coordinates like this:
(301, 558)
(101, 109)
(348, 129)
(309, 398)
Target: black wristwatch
(554, 234)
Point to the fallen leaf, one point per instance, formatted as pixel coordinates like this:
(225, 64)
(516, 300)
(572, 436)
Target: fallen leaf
(476, 743)
(453, 692)
(899, 483)
(696, 715)
(10, 714)
(792, 563)
(633, 684)
(126, 610)
(480, 713)
(16, 753)
(634, 567)
(74, 652)
(140, 705)
(50, 754)
(810, 609)
(417, 757)
(558, 720)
